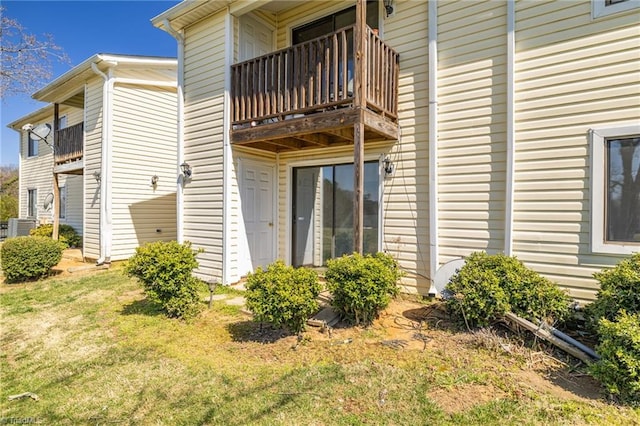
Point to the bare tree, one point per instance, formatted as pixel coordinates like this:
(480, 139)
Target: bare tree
(26, 61)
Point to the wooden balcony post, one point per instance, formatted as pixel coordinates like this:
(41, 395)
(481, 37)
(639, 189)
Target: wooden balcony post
(360, 79)
(56, 189)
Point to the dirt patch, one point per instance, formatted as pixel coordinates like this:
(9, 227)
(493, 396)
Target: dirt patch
(411, 326)
(465, 397)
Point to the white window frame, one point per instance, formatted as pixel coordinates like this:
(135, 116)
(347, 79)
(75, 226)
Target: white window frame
(598, 184)
(599, 8)
(33, 146)
(63, 202)
(32, 203)
(321, 162)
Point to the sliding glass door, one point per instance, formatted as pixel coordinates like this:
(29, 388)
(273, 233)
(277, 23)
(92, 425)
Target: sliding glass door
(322, 212)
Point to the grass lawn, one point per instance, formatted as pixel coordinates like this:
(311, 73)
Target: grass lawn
(95, 352)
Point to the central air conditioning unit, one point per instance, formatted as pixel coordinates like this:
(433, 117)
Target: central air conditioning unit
(20, 227)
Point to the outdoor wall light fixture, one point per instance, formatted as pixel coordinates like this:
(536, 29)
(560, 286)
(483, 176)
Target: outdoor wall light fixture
(388, 7)
(97, 176)
(388, 165)
(154, 180)
(186, 169)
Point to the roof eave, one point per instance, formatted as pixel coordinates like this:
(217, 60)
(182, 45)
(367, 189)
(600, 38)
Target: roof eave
(188, 12)
(17, 124)
(50, 92)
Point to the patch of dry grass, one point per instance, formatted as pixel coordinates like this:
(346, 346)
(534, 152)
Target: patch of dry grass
(96, 352)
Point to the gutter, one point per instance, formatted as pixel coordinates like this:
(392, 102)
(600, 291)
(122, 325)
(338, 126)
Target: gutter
(180, 122)
(105, 222)
(510, 166)
(433, 143)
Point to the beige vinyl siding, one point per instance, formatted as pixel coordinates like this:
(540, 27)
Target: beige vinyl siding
(74, 205)
(92, 163)
(572, 73)
(204, 98)
(144, 145)
(472, 127)
(406, 193)
(36, 173)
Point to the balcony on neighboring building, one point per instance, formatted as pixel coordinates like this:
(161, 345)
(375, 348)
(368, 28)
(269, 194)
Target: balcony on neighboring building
(68, 146)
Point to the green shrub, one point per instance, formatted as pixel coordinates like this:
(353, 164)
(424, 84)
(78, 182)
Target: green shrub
(25, 258)
(619, 289)
(488, 286)
(165, 269)
(362, 285)
(66, 234)
(282, 295)
(619, 349)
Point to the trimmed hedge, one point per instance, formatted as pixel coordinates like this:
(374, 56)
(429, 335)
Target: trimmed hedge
(362, 286)
(27, 258)
(619, 366)
(488, 286)
(165, 268)
(619, 289)
(283, 296)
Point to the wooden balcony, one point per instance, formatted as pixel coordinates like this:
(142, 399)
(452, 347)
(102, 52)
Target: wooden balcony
(68, 143)
(306, 95)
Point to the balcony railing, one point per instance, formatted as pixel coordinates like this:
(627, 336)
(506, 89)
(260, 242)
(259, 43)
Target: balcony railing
(68, 143)
(317, 75)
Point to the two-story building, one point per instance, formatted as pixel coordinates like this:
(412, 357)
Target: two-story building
(425, 129)
(101, 156)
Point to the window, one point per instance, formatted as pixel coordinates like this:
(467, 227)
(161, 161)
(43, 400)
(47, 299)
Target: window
(63, 202)
(331, 23)
(615, 189)
(33, 143)
(322, 212)
(32, 203)
(600, 8)
(62, 122)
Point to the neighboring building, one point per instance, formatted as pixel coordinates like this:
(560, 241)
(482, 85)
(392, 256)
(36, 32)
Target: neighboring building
(506, 126)
(112, 122)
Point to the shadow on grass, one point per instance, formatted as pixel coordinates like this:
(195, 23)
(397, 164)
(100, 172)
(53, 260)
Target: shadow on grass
(251, 331)
(433, 316)
(142, 307)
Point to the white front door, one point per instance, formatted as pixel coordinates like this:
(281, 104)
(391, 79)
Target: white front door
(256, 196)
(256, 38)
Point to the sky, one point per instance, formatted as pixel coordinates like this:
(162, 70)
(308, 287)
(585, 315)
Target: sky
(82, 29)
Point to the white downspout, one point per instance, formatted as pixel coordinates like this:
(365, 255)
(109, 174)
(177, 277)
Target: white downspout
(180, 142)
(510, 166)
(433, 142)
(105, 222)
(226, 153)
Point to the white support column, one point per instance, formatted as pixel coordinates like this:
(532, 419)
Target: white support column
(433, 141)
(510, 166)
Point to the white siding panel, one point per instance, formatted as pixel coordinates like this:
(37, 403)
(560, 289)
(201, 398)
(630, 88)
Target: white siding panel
(572, 73)
(74, 185)
(204, 91)
(472, 127)
(92, 163)
(144, 145)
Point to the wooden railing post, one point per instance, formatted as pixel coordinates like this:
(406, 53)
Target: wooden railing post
(360, 84)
